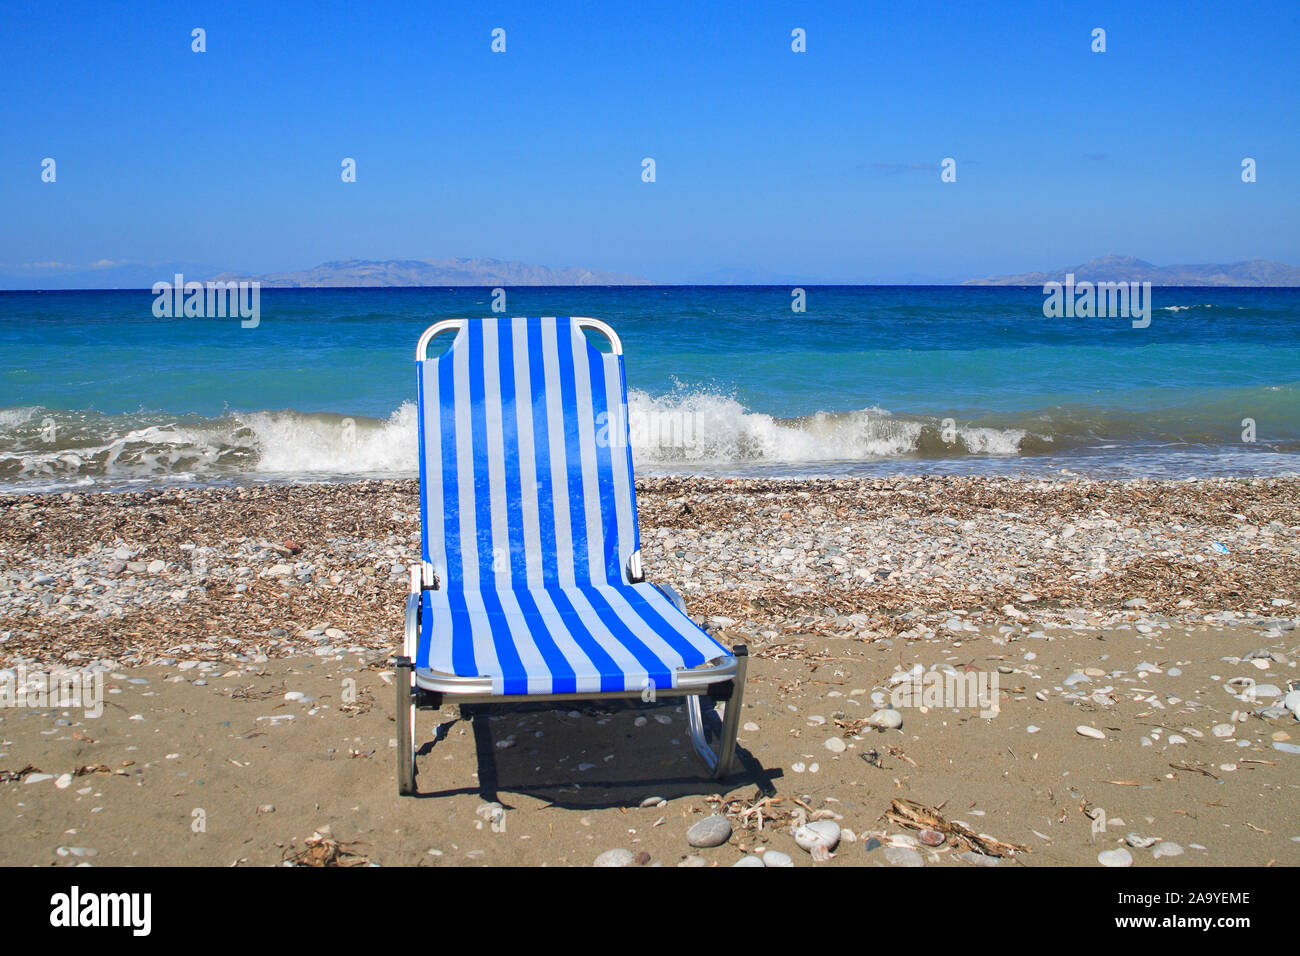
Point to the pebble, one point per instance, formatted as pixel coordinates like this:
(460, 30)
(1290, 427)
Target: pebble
(1118, 857)
(777, 858)
(1167, 848)
(824, 833)
(835, 745)
(64, 781)
(1083, 730)
(931, 837)
(619, 857)
(1223, 730)
(887, 719)
(749, 861)
(79, 851)
(713, 830)
(1277, 745)
(903, 856)
(1140, 842)
(978, 859)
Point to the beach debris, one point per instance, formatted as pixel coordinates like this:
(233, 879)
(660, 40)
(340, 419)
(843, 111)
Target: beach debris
(917, 816)
(323, 850)
(8, 776)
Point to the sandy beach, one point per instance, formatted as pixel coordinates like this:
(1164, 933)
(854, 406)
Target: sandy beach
(1142, 637)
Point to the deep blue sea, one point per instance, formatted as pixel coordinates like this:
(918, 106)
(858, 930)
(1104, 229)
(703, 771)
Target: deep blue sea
(95, 391)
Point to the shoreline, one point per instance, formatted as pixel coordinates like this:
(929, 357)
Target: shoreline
(1220, 463)
(224, 622)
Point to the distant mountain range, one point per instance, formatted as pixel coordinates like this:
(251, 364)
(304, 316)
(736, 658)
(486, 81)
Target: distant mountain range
(432, 272)
(107, 274)
(1257, 272)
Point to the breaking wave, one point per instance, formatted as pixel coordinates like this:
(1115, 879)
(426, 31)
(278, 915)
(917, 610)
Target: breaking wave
(682, 431)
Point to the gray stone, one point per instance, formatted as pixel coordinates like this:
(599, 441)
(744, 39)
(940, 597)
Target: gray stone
(777, 858)
(711, 831)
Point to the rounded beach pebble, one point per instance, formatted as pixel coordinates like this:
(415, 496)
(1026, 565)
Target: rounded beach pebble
(824, 833)
(618, 857)
(711, 831)
(887, 719)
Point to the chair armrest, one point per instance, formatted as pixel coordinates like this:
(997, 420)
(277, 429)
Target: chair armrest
(411, 640)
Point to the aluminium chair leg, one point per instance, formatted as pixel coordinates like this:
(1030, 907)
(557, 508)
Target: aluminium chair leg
(731, 716)
(405, 716)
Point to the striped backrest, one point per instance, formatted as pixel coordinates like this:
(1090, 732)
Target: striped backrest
(525, 466)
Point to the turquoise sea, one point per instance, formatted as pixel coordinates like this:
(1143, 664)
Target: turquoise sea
(95, 391)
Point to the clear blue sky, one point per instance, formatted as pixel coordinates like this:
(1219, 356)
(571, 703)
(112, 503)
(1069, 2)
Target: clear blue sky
(823, 163)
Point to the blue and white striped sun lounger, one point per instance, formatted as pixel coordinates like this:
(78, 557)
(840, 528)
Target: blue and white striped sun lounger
(530, 586)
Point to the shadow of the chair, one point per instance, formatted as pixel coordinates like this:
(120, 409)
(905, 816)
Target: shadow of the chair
(588, 755)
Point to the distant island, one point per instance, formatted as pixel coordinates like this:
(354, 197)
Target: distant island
(1257, 272)
(431, 272)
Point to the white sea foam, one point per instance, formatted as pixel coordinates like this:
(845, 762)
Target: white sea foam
(679, 430)
(317, 444)
(706, 428)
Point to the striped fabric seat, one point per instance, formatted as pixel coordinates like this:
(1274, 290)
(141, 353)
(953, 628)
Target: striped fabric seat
(528, 514)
